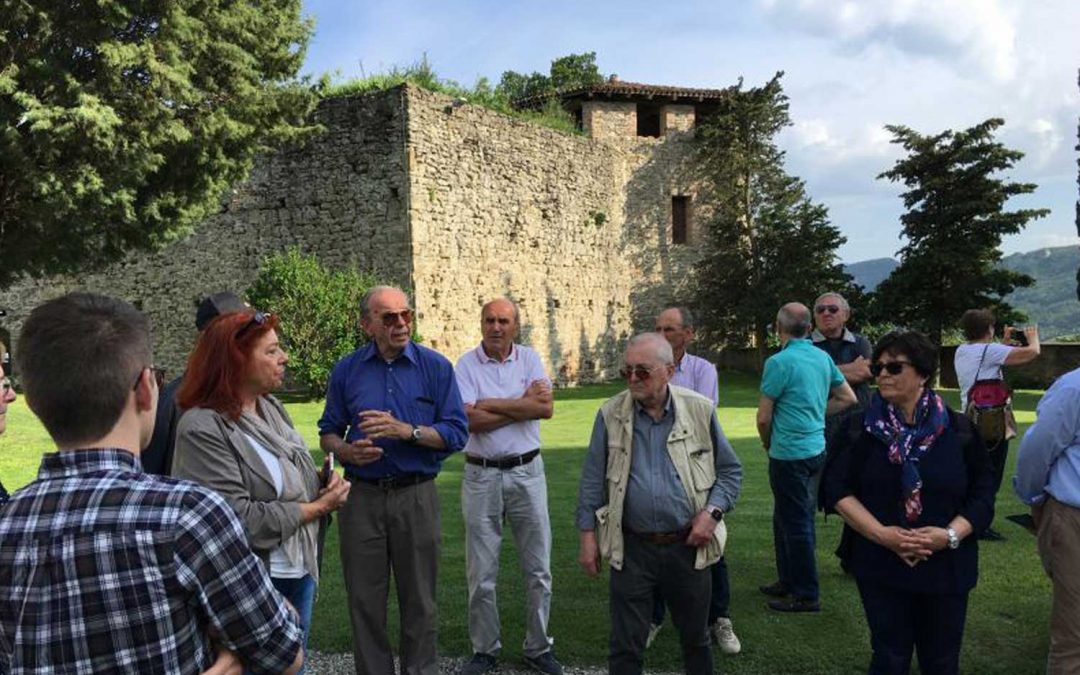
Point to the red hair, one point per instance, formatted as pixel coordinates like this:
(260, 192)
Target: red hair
(216, 368)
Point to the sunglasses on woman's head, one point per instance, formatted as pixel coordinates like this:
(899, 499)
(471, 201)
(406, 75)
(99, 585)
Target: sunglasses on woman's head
(892, 367)
(257, 319)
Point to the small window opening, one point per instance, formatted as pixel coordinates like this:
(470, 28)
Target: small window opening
(680, 219)
(648, 120)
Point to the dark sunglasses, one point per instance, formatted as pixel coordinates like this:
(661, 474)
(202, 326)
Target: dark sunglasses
(892, 367)
(257, 319)
(391, 318)
(640, 372)
(831, 309)
(159, 377)
(6, 386)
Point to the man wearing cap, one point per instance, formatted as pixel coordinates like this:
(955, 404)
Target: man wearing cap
(506, 393)
(157, 457)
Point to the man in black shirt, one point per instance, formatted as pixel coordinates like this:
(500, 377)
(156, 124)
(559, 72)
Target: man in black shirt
(849, 351)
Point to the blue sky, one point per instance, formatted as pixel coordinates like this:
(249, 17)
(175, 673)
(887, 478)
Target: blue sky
(850, 68)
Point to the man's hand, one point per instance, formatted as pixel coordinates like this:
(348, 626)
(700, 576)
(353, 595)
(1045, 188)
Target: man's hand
(539, 391)
(858, 371)
(589, 554)
(382, 424)
(701, 530)
(336, 492)
(225, 663)
(359, 452)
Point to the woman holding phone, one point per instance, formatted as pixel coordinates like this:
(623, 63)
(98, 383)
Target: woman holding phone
(237, 439)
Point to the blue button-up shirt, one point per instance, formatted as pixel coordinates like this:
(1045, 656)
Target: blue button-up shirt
(417, 387)
(1049, 458)
(656, 500)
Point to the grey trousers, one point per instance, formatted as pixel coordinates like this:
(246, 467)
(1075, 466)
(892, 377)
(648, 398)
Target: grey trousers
(1059, 548)
(382, 530)
(669, 569)
(490, 497)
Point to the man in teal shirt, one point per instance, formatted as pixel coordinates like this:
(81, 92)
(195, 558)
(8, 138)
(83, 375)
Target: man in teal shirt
(800, 386)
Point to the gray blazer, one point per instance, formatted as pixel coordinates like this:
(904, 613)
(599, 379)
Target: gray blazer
(212, 451)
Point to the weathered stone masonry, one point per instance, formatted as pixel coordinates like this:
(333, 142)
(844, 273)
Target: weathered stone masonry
(457, 203)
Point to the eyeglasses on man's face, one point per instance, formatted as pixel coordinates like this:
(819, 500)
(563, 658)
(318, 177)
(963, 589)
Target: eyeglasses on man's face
(158, 373)
(391, 318)
(827, 309)
(6, 387)
(642, 373)
(892, 367)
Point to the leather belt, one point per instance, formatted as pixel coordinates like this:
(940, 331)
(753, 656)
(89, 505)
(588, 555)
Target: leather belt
(506, 463)
(394, 482)
(677, 537)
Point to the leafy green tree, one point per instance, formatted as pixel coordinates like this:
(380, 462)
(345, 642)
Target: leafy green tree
(319, 311)
(769, 243)
(954, 223)
(122, 124)
(572, 70)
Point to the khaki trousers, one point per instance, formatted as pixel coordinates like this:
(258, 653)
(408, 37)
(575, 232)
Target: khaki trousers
(383, 529)
(1059, 548)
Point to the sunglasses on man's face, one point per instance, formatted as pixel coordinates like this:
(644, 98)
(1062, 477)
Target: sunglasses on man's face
(391, 318)
(830, 309)
(892, 367)
(6, 387)
(640, 372)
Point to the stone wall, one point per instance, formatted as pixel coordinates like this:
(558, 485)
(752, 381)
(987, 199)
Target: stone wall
(575, 229)
(341, 196)
(609, 120)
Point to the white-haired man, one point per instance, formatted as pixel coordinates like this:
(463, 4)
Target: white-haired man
(658, 477)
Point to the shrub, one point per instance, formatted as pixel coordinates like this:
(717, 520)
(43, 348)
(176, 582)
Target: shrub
(319, 311)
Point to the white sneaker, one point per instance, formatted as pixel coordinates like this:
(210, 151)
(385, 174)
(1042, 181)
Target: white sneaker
(723, 635)
(654, 629)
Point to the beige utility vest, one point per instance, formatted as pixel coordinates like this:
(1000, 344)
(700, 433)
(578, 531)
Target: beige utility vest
(691, 450)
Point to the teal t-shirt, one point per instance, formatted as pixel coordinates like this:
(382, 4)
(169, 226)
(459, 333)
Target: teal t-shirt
(798, 380)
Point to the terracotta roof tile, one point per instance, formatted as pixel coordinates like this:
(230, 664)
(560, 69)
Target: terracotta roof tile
(622, 88)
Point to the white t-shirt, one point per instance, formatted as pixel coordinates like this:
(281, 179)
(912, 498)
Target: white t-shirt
(966, 363)
(280, 565)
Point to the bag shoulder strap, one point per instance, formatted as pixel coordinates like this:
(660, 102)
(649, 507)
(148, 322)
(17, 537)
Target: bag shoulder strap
(978, 370)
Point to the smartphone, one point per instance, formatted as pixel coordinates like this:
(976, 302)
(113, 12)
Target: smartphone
(1018, 337)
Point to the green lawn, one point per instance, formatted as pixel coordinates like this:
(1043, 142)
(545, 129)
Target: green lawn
(1007, 619)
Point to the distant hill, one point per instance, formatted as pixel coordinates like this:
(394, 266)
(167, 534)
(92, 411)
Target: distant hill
(870, 273)
(1051, 302)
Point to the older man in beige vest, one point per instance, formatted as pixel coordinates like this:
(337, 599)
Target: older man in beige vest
(658, 478)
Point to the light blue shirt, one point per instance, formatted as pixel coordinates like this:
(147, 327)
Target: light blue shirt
(1049, 458)
(798, 379)
(697, 374)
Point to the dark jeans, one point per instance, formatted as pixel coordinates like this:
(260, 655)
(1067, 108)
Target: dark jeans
(669, 568)
(794, 486)
(999, 456)
(718, 603)
(899, 621)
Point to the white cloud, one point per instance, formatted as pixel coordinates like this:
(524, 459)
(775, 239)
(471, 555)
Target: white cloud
(977, 34)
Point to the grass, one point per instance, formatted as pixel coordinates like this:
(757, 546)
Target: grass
(1008, 611)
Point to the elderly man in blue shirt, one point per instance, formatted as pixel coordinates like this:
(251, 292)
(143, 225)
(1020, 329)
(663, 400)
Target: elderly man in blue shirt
(659, 475)
(1048, 479)
(393, 414)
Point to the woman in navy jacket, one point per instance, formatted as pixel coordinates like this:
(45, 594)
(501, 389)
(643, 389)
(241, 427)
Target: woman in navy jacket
(912, 481)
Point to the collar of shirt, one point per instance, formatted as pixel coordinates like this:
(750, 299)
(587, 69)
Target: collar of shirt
(684, 359)
(67, 463)
(370, 352)
(798, 343)
(482, 356)
(818, 336)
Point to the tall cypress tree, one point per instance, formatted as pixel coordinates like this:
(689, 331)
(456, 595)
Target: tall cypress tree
(953, 226)
(768, 242)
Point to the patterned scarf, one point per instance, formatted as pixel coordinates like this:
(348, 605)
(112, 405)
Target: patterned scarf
(908, 443)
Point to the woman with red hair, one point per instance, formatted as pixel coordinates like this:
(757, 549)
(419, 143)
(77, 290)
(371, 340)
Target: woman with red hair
(236, 439)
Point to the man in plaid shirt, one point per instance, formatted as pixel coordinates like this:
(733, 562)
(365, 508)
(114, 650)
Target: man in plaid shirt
(104, 568)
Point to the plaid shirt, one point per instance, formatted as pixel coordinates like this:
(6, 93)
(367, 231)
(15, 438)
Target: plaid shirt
(106, 569)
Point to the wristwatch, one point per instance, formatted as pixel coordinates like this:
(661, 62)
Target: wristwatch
(716, 514)
(415, 438)
(954, 541)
